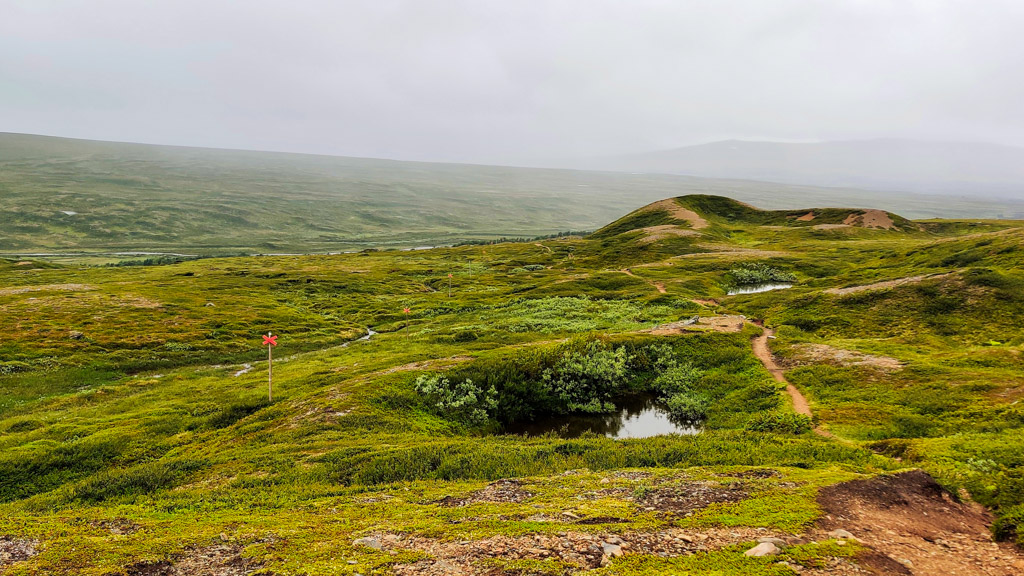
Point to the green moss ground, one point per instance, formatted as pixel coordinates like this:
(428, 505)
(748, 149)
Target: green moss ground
(141, 417)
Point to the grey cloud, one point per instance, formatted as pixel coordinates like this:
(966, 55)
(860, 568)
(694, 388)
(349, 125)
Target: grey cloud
(498, 81)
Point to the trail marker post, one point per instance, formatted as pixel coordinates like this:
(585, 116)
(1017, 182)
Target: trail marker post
(270, 341)
(449, 284)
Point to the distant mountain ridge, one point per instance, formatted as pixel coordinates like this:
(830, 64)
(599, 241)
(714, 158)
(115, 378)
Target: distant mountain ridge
(881, 164)
(67, 195)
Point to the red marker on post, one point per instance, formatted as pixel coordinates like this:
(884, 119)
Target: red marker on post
(270, 341)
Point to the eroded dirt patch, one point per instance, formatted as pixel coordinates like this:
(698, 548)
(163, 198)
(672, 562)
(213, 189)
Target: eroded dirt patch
(16, 550)
(884, 285)
(877, 219)
(686, 498)
(510, 491)
(218, 560)
(725, 323)
(870, 219)
(913, 522)
(819, 353)
(679, 213)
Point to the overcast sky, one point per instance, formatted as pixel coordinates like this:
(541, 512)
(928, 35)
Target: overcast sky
(493, 81)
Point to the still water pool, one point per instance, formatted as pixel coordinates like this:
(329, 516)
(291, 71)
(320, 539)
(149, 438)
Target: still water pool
(639, 417)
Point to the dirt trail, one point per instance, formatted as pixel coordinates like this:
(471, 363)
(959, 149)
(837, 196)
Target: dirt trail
(760, 345)
(800, 404)
(657, 285)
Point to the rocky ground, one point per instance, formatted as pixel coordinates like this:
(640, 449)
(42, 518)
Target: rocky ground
(902, 524)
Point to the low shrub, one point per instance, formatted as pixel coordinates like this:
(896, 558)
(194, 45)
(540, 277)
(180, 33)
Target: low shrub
(759, 273)
(688, 407)
(779, 422)
(679, 378)
(458, 400)
(586, 380)
(135, 481)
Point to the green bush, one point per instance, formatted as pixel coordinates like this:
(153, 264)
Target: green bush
(759, 273)
(586, 380)
(779, 422)
(677, 379)
(459, 400)
(688, 407)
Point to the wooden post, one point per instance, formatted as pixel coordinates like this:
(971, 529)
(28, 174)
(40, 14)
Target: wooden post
(270, 372)
(449, 284)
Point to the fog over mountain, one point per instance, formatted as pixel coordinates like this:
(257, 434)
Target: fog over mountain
(497, 82)
(881, 164)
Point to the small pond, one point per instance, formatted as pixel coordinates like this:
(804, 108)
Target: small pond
(755, 288)
(638, 417)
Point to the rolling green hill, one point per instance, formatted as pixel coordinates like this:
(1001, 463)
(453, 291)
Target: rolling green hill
(71, 196)
(136, 437)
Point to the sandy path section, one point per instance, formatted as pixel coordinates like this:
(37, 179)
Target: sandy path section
(760, 345)
(800, 404)
(680, 213)
(657, 285)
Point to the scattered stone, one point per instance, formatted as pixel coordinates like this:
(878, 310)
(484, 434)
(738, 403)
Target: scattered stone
(841, 534)
(16, 550)
(611, 550)
(763, 549)
(75, 335)
(368, 542)
(687, 497)
(217, 560)
(778, 542)
(510, 491)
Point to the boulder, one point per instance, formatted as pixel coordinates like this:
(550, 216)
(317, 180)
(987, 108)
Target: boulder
(763, 549)
(779, 542)
(611, 550)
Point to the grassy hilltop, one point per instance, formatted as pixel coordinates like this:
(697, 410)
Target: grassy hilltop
(71, 196)
(137, 439)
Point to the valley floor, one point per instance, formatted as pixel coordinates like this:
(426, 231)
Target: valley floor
(136, 437)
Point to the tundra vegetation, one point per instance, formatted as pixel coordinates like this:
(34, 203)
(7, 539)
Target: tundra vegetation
(135, 429)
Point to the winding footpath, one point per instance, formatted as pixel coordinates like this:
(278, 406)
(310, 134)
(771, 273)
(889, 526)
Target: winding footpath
(800, 404)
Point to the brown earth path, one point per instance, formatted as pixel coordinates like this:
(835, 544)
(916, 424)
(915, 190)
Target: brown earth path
(800, 404)
(657, 285)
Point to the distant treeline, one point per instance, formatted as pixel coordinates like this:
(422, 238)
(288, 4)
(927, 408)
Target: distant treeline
(157, 261)
(505, 239)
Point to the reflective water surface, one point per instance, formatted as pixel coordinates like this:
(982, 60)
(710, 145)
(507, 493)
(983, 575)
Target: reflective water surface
(638, 417)
(755, 288)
